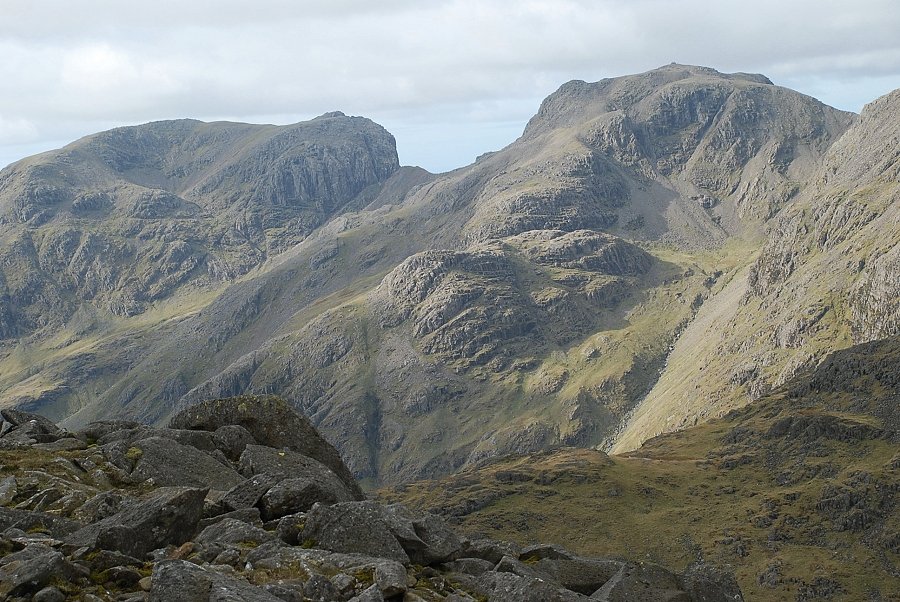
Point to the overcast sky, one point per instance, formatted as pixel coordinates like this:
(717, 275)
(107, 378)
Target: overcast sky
(450, 79)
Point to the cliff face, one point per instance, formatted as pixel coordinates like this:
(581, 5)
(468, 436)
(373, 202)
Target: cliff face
(827, 276)
(720, 152)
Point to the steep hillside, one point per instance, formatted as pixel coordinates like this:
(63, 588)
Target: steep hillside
(797, 491)
(525, 301)
(536, 326)
(827, 276)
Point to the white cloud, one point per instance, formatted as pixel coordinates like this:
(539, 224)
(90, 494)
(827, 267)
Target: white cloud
(465, 71)
(17, 130)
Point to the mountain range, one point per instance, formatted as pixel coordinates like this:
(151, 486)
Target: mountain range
(654, 251)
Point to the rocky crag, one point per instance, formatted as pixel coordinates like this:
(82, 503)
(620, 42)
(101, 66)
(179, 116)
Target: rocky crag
(826, 277)
(655, 250)
(241, 500)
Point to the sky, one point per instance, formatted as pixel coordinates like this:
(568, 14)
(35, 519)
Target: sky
(451, 79)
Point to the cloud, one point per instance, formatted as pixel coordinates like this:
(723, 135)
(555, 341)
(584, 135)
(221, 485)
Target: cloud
(462, 70)
(17, 130)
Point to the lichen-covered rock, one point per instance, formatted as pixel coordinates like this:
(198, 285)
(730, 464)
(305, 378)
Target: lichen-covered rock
(425, 537)
(171, 464)
(187, 582)
(291, 496)
(169, 515)
(353, 527)
(645, 582)
(248, 493)
(26, 572)
(27, 520)
(508, 587)
(271, 422)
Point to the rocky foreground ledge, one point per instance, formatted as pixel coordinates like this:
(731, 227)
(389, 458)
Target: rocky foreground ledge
(241, 500)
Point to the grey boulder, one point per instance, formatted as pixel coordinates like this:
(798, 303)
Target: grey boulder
(30, 570)
(272, 422)
(167, 516)
(353, 527)
(186, 582)
(170, 463)
(425, 537)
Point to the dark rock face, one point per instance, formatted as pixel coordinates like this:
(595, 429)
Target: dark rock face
(122, 534)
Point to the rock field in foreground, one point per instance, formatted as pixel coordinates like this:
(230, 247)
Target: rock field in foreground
(250, 503)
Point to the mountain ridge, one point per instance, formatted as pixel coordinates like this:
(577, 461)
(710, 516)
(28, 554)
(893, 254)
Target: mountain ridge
(562, 269)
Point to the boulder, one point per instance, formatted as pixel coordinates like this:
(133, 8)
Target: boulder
(389, 576)
(312, 480)
(353, 527)
(27, 520)
(291, 592)
(298, 495)
(169, 515)
(425, 537)
(95, 431)
(101, 560)
(545, 550)
(171, 464)
(508, 564)
(290, 528)
(247, 493)
(8, 490)
(371, 594)
(49, 594)
(18, 418)
(187, 582)
(508, 587)
(488, 549)
(28, 571)
(319, 588)
(582, 575)
(231, 440)
(468, 566)
(642, 582)
(246, 515)
(271, 422)
(232, 531)
(101, 506)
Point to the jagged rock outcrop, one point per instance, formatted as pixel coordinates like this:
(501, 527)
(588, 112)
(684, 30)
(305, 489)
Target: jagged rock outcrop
(182, 543)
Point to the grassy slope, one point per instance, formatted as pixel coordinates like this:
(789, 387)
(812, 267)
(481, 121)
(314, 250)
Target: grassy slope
(807, 510)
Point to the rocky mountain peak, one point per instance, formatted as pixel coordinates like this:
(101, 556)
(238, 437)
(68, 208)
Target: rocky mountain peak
(124, 218)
